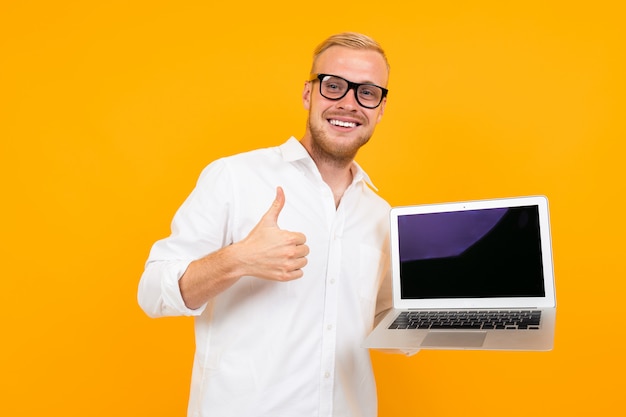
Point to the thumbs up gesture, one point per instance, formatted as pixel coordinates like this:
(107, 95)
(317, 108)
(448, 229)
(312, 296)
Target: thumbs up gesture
(272, 253)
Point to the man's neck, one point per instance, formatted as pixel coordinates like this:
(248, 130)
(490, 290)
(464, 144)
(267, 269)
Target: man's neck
(338, 178)
(335, 171)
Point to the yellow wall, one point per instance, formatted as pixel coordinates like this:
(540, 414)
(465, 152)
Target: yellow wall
(109, 110)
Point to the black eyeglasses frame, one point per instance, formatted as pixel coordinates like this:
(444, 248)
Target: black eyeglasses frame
(351, 86)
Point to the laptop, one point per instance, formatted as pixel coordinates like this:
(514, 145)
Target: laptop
(474, 275)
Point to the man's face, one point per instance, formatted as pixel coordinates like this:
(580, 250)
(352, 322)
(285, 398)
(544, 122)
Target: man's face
(337, 129)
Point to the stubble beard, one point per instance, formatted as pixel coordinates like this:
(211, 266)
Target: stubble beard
(326, 150)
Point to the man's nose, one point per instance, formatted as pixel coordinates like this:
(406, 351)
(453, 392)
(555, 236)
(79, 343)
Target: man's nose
(349, 101)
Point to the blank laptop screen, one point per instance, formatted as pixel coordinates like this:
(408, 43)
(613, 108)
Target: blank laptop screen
(482, 253)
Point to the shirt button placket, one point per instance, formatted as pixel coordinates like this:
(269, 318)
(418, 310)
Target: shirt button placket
(329, 338)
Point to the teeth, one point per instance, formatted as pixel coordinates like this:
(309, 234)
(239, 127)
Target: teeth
(342, 124)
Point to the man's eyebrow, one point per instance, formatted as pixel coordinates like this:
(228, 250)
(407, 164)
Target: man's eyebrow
(356, 82)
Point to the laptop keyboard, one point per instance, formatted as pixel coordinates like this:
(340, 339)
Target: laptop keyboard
(478, 320)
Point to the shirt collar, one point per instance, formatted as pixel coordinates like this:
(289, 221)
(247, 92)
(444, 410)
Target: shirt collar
(292, 150)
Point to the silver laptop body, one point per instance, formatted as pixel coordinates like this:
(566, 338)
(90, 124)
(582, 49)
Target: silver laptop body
(470, 275)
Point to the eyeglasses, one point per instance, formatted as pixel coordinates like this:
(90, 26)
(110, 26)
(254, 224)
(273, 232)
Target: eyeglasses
(367, 95)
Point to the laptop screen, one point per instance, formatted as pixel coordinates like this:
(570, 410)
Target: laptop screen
(485, 253)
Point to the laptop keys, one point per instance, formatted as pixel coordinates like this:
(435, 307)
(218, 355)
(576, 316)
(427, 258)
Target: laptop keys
(473, 320)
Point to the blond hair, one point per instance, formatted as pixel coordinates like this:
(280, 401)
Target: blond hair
(350, 40)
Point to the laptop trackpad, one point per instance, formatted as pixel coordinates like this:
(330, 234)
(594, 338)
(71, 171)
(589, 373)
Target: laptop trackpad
(454, 339)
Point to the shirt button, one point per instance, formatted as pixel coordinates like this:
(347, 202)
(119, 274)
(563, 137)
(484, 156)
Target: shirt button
(332, 280)
(329, 327)
(327, 375)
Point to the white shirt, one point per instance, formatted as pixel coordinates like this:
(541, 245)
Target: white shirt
(279, 349)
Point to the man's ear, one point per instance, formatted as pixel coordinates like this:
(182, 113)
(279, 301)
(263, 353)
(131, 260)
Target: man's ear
(306, 95)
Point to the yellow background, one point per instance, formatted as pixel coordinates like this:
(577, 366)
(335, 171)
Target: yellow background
(109, 110)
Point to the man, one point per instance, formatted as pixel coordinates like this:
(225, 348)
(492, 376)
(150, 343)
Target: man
(283, 297)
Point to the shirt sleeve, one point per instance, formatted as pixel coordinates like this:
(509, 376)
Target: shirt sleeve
(200, 226)
(159, 294)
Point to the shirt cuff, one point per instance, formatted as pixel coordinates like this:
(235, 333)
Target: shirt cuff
(161, 291)
(171, 291)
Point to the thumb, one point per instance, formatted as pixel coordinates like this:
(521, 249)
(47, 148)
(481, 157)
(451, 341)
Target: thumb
(271, 216)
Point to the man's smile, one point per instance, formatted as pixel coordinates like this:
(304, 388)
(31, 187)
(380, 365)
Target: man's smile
(342, 123)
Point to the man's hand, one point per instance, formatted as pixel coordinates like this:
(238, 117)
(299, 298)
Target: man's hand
(272, 253)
